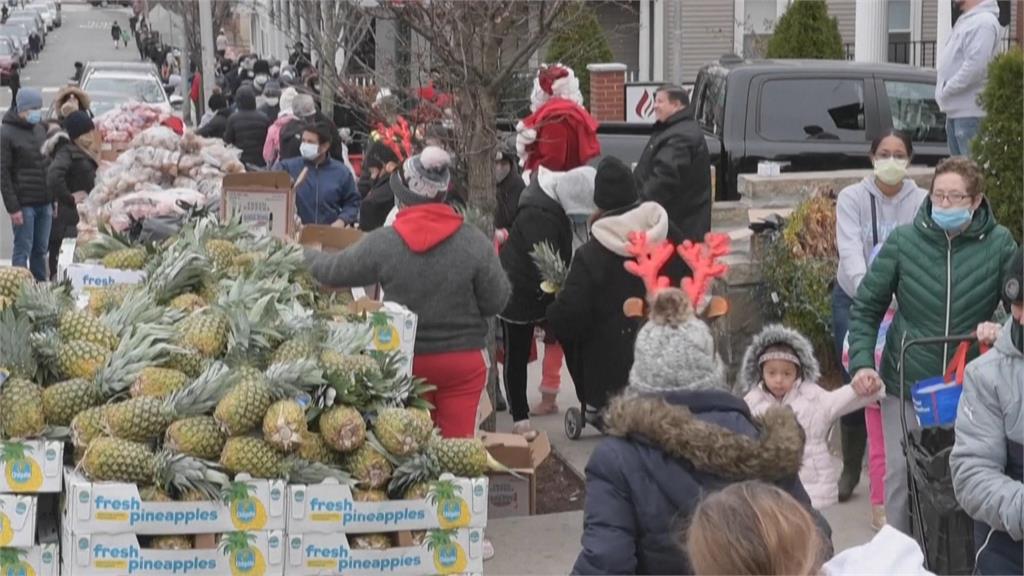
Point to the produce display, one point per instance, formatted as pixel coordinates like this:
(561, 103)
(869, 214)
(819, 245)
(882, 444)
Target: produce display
(156, 176)
(225, 360)
(122, 123)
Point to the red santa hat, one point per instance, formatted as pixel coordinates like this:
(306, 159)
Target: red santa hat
(555, 81)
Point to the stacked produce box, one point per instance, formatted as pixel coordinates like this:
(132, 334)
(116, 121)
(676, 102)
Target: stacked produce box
(224, 416)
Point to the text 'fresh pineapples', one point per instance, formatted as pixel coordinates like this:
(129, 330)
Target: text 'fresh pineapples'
(43, 560)
(17, 521)
(31, 467)
(440, 552)
(237, 554)
(114, 507)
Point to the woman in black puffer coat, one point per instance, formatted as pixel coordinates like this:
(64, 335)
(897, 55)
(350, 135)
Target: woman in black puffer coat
(247, 128)
(70, 177)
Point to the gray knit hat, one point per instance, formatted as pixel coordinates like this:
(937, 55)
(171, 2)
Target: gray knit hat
(425, 177)
(675, 350)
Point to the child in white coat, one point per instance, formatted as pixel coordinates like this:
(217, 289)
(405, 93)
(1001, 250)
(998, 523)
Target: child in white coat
(779, 368)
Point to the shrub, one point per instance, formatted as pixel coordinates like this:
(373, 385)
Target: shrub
(580, 44)
(1000, 141)
(799, 266)
(806, 31)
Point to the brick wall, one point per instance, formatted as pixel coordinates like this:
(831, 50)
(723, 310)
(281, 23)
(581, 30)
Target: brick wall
(607, 92)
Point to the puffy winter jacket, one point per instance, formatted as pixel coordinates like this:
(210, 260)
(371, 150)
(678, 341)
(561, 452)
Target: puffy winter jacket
(988, 457)
(509, 191)
(587, 316)
(247, 128)
(22, 164)
(664, 454)
(675, 171)
(217, 126)
(816, 409)
(943, 287)
(71, 170)
(327, 194)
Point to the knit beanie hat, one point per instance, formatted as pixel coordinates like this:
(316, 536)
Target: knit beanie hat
(674, 350)
(426, 177)
(272, 89)
(614, 186)
(29, 99)
(303, 106)
(78, 123)
(217, 102)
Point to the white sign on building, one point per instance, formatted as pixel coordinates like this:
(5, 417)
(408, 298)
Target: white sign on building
(640, 102)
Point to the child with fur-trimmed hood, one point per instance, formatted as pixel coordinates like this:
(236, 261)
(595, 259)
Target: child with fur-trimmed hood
(779, 369)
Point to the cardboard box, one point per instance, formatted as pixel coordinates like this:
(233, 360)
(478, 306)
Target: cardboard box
(262, 200)
(323, 554)
(114, 507)
(84, 276)
(394, 328)
(334, 239)
(17, 521)
(508, 495)
(41, 560)
(328, 508)
(119, 554)
(31, 467)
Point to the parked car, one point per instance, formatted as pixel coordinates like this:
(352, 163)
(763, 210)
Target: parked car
(8, 60)
(49, 18)
(34, 24)
(805, 114)
(142, 86)
(116, 66)
(19, 39)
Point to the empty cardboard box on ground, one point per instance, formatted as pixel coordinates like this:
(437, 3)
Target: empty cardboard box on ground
(508, 495)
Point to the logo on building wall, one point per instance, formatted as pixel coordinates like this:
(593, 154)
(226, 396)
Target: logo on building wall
(640, 102)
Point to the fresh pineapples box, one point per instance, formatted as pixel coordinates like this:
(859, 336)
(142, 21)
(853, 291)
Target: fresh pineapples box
(31, 466)
(236, 554)
(433, 552)
(394, 328)
(330, 507)
(86, 276)
(17, 520)
(41, 560)
(115, 507)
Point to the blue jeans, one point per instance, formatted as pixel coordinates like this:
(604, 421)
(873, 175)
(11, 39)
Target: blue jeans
(959, 133)
(32, 239)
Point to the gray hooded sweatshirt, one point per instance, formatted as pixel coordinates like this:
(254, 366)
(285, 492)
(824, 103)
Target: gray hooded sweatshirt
(963, 61)
(855, 235)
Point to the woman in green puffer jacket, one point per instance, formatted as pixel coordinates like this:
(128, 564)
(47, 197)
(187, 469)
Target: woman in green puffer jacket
(946, 271)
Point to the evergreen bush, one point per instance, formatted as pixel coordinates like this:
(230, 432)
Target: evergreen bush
(580, 44)
(806, 31)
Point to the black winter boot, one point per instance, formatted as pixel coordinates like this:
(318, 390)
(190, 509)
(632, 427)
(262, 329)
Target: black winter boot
(854, 441)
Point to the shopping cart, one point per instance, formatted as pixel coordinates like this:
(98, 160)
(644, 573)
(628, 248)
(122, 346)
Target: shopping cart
(943, 530)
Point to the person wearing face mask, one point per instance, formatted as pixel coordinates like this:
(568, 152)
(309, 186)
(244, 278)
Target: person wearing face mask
(268, 102)
(866, 213)
(946, 271)
(73, 154)
(380, 162)
(988, 457)
(247, 128)
(510, 186)
(325, 191)
(23, 181)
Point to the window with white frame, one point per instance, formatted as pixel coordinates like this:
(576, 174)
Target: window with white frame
(901, 48)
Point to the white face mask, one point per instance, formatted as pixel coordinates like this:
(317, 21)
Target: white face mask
(891, 171)
(309, 151)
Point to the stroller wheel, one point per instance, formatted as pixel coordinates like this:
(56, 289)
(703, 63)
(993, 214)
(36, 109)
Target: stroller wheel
(573, 423)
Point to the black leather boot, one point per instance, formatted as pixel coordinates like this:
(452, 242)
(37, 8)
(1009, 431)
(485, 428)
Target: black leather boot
(854, 441)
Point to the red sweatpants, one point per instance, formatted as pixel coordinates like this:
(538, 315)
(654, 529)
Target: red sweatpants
(460, 378)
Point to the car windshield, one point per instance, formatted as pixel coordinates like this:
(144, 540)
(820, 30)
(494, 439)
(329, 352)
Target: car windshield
(147, 90)
(5, 49)
(105, 103)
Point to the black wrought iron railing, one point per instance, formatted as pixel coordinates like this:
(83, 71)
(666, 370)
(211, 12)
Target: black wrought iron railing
(922, 53)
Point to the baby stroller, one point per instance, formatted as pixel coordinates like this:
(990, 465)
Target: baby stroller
(940, 526)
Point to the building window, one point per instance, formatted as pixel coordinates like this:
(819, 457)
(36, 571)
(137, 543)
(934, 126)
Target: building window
(900, 46)
(800, 109)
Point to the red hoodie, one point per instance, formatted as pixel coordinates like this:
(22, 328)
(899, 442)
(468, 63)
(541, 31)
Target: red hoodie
(424, 227)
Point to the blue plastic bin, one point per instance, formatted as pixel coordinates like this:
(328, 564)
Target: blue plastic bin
(936, 401)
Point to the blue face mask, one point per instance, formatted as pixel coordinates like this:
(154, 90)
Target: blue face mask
(951, 218)
(34, 117)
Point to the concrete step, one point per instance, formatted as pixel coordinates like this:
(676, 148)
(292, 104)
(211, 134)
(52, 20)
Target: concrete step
(794, 187)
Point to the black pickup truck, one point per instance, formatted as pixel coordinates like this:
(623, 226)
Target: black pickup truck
(806, 114)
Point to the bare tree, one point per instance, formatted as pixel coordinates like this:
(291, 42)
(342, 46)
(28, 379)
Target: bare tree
(188, 10)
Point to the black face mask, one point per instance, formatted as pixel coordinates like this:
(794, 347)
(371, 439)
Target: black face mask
(1017, 335)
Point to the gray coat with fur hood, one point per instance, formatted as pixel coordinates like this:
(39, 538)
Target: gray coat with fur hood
(663, 454)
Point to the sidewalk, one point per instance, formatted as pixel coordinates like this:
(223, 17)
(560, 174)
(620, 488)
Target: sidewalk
(549, 544)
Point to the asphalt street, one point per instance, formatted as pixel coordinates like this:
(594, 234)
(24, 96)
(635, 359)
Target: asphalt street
(83, 36)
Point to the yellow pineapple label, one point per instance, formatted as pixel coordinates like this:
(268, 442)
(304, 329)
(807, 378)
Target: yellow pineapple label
(30, 467)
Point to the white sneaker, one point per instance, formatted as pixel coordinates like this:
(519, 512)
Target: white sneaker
(488, 549)
(524, 429)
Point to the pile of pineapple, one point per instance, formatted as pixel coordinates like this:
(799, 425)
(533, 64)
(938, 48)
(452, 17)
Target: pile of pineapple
(225, 360)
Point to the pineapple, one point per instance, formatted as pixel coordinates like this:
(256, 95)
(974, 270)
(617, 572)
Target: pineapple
(460, 456)
(371, 468)
(284, 424)
(189, 362)
(16, 355)
(252, 456)
(105, 298)
(345, 366)
(84, 327)
(369, 495)
(21, 404)
(206, 332)
(187, 303)
(403, 431)
(343, 428)
(88, 425)
(171, 542)
(198, 436)
(158, 382)
(145, 418)
(126, 259)
(12, 279)
(64, 400)
(117, 460)
(295, 349)
(314, 449)
(242, 409)
(417, 491)
(80, 359)
(370, 541)
(6, 303)
(222, 253)
(243, 263)
(154, 494)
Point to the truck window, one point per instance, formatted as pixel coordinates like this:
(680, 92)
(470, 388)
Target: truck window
(914, 111)
(801, 109)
